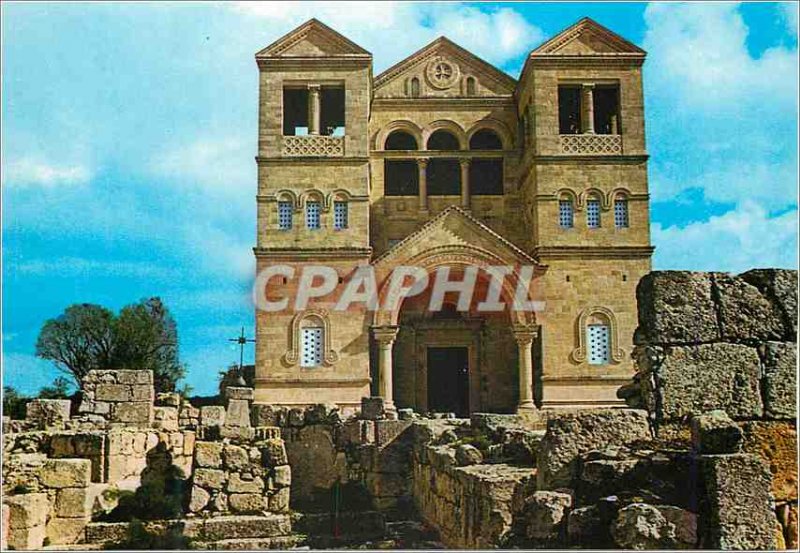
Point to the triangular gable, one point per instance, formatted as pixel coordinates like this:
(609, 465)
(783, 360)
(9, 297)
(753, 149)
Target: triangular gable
(312, 39)
(453, 227)
(491, 78)
(587, 38)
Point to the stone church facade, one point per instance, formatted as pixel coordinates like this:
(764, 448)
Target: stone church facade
(440, 161)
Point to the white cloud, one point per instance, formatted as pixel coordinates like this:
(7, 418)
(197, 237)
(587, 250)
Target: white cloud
(32, 171)
(77, 266)
(741, 239)
(394, 30)
(789, 11)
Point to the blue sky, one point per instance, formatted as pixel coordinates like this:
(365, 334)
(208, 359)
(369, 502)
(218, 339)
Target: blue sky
(129, 131)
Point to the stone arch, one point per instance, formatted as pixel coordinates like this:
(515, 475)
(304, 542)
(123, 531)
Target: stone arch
(446, 125)
(400, 125)
(312, 194)
(597, 193)
(605, 315)
(287, 195)
(338, 195)
(569, 194)
(499, 128)
(453, 256)
(320, 317)
(619, 193)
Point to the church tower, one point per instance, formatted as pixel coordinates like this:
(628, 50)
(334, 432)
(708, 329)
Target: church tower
(313, 209)
(581, 105)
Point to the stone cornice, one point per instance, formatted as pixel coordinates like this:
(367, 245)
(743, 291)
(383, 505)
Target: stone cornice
(279, 160)
(593, 252)
(445, 103)
(310, 381)
(553, 196)
(313, 254)
(312, 62)
(583, 159)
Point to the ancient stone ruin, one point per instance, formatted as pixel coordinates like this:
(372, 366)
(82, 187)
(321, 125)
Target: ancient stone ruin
(703, 457)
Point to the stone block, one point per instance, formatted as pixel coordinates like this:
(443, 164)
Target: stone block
(267, 415)
(220, 503)
(676, 307)
(296, 417)
(574, 433)
(113, 392)
(590, 526)
(737, 495)
(546, 514)
(273, 453)
(239, 392)
(279, 501)
(209, 478)
(106, 532)
(247, 502)
(73, 503)
(143, 393)
(243, 526)
(66, 473)
(780, 286)
(776, 444)
(134, 414)
(387, 431)
(235, 458)
(168, 399)
(238, 413)
(47, 414)
(320, 413)
(165, 418)
(237, 433)
(780, 380)
(467, 454)
(282, 476)
(697, 379)
(372, 408)
(715, 432)
(208, 454)
(27, 517)
(744, 312)
(237, 484)
(212, 415)
(66, 531)
(640, 526)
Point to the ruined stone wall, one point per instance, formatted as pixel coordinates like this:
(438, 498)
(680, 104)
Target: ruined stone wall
(719, 342)
(122, 397)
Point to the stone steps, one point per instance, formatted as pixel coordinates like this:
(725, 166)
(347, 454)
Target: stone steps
(294, 541)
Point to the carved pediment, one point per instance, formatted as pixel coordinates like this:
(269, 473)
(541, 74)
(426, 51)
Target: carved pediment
(312, 39)
(587, 38)
(443, 69)
(453, 227)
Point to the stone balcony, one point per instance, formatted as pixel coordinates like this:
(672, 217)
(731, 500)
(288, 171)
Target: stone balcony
(313, 146)
(591, 144)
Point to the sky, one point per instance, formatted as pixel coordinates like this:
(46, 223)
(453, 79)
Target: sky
(128, 136)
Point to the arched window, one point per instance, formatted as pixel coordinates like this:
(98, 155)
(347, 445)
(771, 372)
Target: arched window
(340, 215)
(415, 87)
(598, 343)
(313, 214)
(400, 140)
(285, 210)
(593, 212)
(443, 140)
(621, 219)
(485, 139)
(312, 343)
(566, 213)
(470, 86)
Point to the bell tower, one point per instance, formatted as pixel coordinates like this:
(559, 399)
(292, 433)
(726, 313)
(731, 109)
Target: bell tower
(313, 209)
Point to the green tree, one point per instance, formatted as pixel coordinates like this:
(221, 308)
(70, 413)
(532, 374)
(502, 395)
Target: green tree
(59, 389)
(14, 403)
(86, 337)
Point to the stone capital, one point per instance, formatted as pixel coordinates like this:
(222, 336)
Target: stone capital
(464, 162)
(587, 86)
(422, 162)
(524, 334)
(385, 335)
(314, 88)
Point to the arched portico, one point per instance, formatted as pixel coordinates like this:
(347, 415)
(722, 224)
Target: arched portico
(521, 323)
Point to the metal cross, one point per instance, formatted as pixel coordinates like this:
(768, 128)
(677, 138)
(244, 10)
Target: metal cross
(242, 340)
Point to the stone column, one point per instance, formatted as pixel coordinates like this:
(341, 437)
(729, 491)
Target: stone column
(587, 106)
(422, 165)
(385, 336)
(465, 197)
(524, 335)
(314, 109)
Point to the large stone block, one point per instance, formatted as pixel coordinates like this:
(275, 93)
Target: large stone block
(208, 454)
(739, 504)
(744, 312)
(235, 458)
(715, 432)
(66, 473)
(134, 414)
(66, 531)
(546, 515)
(780, 380)
(676, 307)
(238, 392)
(372, 408)
(696, 379)
(47, 414)
(113, 392)
(279, 501)
(73, 503)
(212, 415)
(640, 526)
(572, 434)
(237, 484)
(27, 518)
(198, 499)
(273, 453)
(780, 286)
(776, 444)
(244, 526)
(238, 413)
(247, 502)
(209, 478)
(165, 418)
